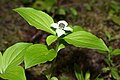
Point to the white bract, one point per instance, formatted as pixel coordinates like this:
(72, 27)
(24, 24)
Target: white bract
(61, 27)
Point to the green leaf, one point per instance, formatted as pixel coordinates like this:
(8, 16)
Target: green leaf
(77, 28)
(1, 62)
(115, 6)
(73, 11)
(48, 4)
(114, 73)
(44, 5)
(64, 77)
(87, 76)
(88, 6)
(14, 55)
(116, 52)
(51, 55)
(108, 35)
(116, 20)
(101, 51)
(36, 18)
(61, 11)
(61, 46)
(99, 78)
(85, 40)
(105, 69)
(54, 78)
(78, 73)
(50, 39)
(107, 61)
(14, 73)
(37, 54)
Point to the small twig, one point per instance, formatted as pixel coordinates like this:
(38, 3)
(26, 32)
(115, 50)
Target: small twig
(34, 36)
(118, 66)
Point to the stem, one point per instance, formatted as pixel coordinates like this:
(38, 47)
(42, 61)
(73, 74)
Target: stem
(118, 66)
(57, 45)
(108, 57)
(53, 62)
(98, 76)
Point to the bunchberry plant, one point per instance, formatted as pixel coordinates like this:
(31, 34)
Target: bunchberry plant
(33, 54)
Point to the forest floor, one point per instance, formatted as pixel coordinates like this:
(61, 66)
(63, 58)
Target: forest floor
(92, 16)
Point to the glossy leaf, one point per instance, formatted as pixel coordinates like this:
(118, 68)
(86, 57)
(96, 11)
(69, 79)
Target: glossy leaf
(14, 55)
(61, 46)
(36, 18)
(85, 40)
(1, 62)
(77, 28)
(116, 52)
(51, 55)
(37, 54)
(14, 73)
(114, 73)
(50, 39)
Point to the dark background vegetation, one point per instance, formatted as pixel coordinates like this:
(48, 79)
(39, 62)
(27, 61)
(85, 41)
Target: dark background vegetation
(95, 16)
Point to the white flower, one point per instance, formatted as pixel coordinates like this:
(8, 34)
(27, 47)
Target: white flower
(61, 27)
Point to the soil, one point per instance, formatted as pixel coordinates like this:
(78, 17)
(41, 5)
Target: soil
(14, 28)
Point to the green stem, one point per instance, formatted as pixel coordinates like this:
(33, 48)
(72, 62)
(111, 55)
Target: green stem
(53, 63)
(57, 45)
(109, 59)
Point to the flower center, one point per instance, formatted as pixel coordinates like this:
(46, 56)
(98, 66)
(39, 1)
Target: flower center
(61, 25)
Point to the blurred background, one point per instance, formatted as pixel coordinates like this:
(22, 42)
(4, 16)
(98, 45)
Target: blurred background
(100, 17)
